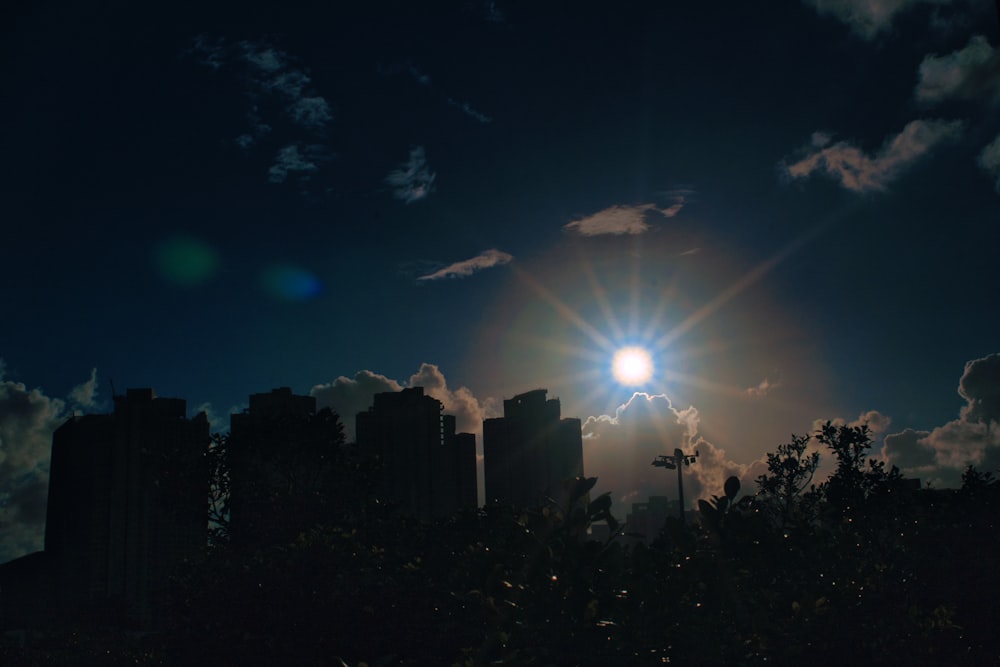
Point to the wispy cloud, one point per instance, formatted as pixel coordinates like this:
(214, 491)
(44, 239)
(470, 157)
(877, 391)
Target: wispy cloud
(860, 172)
(267, 72)
(491, 12)
(469, 111)
(271, 71)
(866, 18)
(413, 180)
(619, 220)
(989, 160)
(310, 112)
(969, 73)
(289, 160)
(763, 388)
(210, 52)
(84, 396)
(484, 260)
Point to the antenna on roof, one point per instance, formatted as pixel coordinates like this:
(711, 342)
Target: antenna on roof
(112, 383)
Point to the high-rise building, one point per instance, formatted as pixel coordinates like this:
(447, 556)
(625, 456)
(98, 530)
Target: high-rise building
(646, 520)
(427, 469)
(127, 495)
(281, 456)
(530, 451)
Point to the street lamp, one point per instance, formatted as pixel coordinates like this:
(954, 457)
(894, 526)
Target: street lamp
(678, 461)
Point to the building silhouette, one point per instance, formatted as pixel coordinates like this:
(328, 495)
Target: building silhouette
(126, 503)
(281, 455)
(427, 469)
(645, 521)
(530, 451)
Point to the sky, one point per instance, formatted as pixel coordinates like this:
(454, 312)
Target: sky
(792, 206)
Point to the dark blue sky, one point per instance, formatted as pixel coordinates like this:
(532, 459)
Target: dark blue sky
(793, 205)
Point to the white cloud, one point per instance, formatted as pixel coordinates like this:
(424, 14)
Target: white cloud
(969, 73)
(84, 395)
(349, 396)
(484, 260)
(980, 387)
(620, 450)
(866, 18)
(989, 160)
(413, 180)
(469, 411)
(27, 420)
(940, 455)
(219, 423)
(289, 160)
(619, 220)
(859, 172)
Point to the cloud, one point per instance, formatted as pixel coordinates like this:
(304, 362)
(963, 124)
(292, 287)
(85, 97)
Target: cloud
(484, 260)
(349, 396)
(412, 180)
(469, 111)
(620, 450)
(27, 419)
(271, 72)
(84, 396)
(859, 172)
(209, 52)
(310, 112)
(618, 220)
(866, 18)
(289, 160)
(763, 388)
(980, 387)
(491, 12)
(989, 160)
(940, 455)
(267, 72)
(219, 423)
(969, 73)
(469, 411)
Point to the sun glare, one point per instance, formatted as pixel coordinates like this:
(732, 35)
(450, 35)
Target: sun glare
(632, 366)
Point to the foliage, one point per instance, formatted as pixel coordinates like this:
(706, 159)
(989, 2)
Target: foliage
(860, 568)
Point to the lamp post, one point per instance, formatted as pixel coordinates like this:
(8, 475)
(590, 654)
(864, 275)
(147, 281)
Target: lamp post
(678, 461)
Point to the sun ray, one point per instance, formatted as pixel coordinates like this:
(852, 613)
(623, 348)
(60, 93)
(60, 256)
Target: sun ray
(603, 300)
(565, 311)
(749, 278)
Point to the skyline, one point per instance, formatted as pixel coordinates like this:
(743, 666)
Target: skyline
(792, 208)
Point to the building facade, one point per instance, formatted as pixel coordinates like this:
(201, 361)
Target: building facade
(282, 456)
(530, 451)
(126, 504)
(426, 469)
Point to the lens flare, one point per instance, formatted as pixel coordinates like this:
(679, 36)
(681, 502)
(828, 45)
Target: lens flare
(290, 283)
(632, 366)
(186, 261)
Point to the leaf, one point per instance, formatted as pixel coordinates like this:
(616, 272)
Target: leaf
(601, 504)
(732, 487)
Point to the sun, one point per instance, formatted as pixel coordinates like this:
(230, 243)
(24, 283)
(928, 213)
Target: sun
(632, 366)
